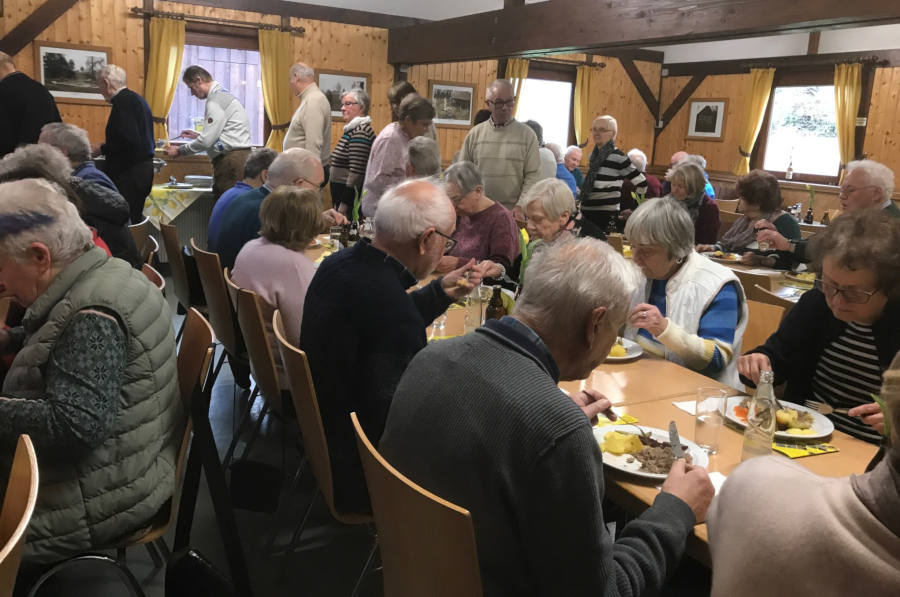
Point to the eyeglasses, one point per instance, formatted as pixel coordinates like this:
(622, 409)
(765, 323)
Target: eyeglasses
(345, 104)
(313, 184)
(449, 243)
(849, 190)
(851, 295)
(502, 103)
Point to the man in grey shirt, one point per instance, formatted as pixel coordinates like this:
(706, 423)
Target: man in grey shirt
(310, 126)
(226, 130)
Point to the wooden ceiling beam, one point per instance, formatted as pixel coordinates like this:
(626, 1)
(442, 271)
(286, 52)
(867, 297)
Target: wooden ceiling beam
(33, 25)
(578, 25)
(637, 79)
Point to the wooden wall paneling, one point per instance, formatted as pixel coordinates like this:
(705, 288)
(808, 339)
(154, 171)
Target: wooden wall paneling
(882, 143)
(651, 71)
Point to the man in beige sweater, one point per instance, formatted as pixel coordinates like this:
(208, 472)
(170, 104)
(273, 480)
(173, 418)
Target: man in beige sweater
(505, 150)
(777, 528)
(310, 126)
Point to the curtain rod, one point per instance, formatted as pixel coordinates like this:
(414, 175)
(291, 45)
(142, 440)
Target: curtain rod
(147, 14)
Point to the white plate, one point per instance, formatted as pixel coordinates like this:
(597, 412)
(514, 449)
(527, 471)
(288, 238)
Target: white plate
(822, 425)
(632, 351)
(723, 258)
(620, 461)
(179, 185)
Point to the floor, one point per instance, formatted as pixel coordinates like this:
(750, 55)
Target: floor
(330, 557)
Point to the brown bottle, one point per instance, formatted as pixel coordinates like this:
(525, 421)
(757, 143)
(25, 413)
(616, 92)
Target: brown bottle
(809, 216)
(345, 235)
(826, 219)
(495, 308)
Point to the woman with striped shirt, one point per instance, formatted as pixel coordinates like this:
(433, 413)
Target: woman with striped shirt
(351, 154)
(837, 342)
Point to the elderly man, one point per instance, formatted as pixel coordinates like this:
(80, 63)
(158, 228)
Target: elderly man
(129, 140)
(572, 161)
(310, 127)
(25, 106)
(240, 222)
(361, 327)
(423, 158)
(256, 172)
(503, 441)
(867, 184)
(505, 150)
(73, 142)
(226, 130)
(562, 173)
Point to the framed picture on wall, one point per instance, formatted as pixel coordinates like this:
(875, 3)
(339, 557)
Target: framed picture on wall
(334, 84)
(452, 103)
(69, 71)
(706, 119)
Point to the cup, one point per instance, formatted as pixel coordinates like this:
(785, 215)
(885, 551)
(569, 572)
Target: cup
(764, 245)
(710, 417)
(334, 237)
(475, 305)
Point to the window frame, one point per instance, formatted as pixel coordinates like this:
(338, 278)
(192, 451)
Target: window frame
(556, 71)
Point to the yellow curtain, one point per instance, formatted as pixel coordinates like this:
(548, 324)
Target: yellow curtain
(584, 78)
(164, 70)
(760, 89)
(275, 57)
(517, 72)
(847, 90)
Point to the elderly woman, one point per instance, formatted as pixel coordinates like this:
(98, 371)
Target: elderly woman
(609, 168)
(836, 343)
(688, 309)
(94, 380)
(485, 230)
(351, 154)
(387, 160)
(759, 198)
(688, 182)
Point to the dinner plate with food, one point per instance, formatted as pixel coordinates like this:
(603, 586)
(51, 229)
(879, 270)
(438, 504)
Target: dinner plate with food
(624, 350)
(722, 256)
(794, 421)
(807, 279)
(644, 451)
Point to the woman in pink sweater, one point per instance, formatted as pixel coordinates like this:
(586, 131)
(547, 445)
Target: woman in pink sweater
(274, 266)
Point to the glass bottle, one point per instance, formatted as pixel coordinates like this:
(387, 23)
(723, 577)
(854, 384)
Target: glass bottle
(345, 235)
(611, 224)
(789, 173)
(809, 216)
(760, 431)
(495, 308)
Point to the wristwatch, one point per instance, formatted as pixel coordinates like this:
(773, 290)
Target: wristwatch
(502, 270)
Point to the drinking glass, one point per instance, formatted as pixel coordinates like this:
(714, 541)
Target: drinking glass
(710, 417)
(334, 237)
(475, 305)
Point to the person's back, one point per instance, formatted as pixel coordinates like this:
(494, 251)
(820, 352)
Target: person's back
(88, 171)
(25, 107)
(239, 224)
(219, 209)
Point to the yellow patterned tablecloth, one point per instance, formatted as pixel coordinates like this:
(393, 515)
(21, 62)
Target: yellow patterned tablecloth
(165, 203)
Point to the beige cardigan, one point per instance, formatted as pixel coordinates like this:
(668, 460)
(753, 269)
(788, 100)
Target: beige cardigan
(310, 126)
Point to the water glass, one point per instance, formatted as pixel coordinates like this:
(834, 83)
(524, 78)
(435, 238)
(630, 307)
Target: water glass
(710, 418)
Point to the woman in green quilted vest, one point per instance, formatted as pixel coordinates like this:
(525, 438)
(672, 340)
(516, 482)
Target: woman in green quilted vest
(93, 382)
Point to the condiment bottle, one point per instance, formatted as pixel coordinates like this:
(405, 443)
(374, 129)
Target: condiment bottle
(495, 308)
(760, 431)
(345, 235)
(809, 216)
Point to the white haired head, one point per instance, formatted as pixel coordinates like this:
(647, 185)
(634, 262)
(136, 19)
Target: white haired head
(423, 157)
(877, 174)
(638, 158)
(292, 165)
(662, 221)
(114, 75)
(73, 141)
(302, 71)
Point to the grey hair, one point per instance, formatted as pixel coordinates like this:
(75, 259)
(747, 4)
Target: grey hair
(554, 195)
(424, 155)
(360, 97)
(114, 74)
(35, 210)
(405, 211)
(572, 148)
(556, 150)
(661, 221)
(303, 71)
(568, 279)
(496, 86)
(46, 155)
(692, 176)
(638, 158)
(464, 175)
(292, 164)
(611, 122)
(696, 158)
(68, 138)
(877, 174)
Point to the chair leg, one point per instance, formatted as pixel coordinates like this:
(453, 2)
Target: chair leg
(215, 375)
(269, 549)
(127, 577)
(298, 533)
(181, 329)
(237, 432)
(158, 562)
(255, 433)
(365, 569)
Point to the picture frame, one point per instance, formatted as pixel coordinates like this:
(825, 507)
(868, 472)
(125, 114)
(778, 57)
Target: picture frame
(334, 84)
(706, 119)
(454, 103)
(68, 71)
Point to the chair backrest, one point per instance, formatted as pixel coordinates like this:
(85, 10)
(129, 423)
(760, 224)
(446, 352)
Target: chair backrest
(218, 302)
(729, 205)
(18, 506)
(762, 321)
(176, 261)
(154, 276)
(259, 352)
(153, 249)
(615, 241)
(748, 279)
(764, 295)
(140, 232)
(427, 543)
(726, 221)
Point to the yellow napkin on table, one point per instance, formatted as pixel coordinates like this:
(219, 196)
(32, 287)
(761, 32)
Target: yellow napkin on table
(803, 450)
(620, 420)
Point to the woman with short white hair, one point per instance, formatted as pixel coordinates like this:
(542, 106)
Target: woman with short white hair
(688, 309)
(351, 154)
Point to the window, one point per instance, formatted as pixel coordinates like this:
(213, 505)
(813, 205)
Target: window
(238, 71)
(802, 131)
(548, 103)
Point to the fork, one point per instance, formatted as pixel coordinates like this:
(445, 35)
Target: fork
(824, 409)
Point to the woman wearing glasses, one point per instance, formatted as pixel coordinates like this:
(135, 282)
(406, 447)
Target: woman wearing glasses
(351, 154)
(836, 343)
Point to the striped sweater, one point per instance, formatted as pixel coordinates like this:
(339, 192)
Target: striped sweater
(607, 187)
(351, 154)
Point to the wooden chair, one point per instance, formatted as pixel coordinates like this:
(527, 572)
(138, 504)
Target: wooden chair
(154, 276)
(727, 205)
(726, 221)
(18, 506)
(765, 295)
(195, 355)
(427, 543)
(180, 282)
(749, 279)
(762, 321)
(615, 241)
(153, 249)
(306, 405)
(220, 309)
(140, 232)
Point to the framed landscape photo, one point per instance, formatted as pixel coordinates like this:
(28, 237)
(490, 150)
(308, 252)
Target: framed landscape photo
(706, 119)
(334, 84)
(452, 103)
(69, 71)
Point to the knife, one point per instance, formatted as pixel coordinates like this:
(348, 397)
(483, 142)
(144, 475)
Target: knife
(675, 441)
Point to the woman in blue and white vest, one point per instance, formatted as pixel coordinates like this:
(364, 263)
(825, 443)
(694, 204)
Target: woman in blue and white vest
(687, 308)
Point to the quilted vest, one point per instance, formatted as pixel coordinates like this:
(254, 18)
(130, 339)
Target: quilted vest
(91, 499)
(688, 295)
